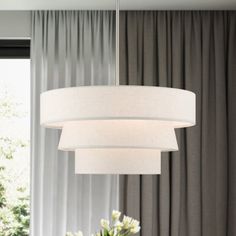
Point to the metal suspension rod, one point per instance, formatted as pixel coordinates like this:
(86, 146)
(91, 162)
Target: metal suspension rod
(117, 41)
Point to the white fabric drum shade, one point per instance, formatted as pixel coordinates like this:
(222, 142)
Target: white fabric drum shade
(117, 161)
(174, 107)
(118, 129)
(136, 134)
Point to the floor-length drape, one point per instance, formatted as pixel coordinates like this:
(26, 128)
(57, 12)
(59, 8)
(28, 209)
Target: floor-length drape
(68, 48)
(196, 192)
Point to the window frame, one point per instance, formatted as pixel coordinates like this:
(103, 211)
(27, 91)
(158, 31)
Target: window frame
(14, 48)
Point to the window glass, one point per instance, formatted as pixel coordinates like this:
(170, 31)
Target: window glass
(14, 146)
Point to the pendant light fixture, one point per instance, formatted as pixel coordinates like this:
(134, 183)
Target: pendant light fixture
(117, 129)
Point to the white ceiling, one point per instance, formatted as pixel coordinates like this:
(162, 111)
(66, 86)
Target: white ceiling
(125, 4)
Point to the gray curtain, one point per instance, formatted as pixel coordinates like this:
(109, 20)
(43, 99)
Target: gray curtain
(68, 48)
(196, 192)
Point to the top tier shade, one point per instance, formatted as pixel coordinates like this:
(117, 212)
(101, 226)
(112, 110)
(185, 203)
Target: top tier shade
(169, 106)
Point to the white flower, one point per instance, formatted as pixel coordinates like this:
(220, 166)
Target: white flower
(118, 225)
(69, 234)
(105, 224)
(115, 215)
(79, 233)
(134, 223)
(135, 229)
(126, 222)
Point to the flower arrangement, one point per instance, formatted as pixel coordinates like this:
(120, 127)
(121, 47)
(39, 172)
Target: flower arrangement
(126, 227)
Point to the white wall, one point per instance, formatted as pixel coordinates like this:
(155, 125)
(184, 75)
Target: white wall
(15, 24)
(124, 4)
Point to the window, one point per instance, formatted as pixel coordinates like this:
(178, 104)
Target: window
(14, 137)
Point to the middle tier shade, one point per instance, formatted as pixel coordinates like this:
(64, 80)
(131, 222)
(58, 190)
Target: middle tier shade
(136, 134)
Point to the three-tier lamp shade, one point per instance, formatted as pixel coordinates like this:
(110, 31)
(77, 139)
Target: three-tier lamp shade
(118, 129)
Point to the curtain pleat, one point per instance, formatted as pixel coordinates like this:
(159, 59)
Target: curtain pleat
(68, 48)
(194, 50)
